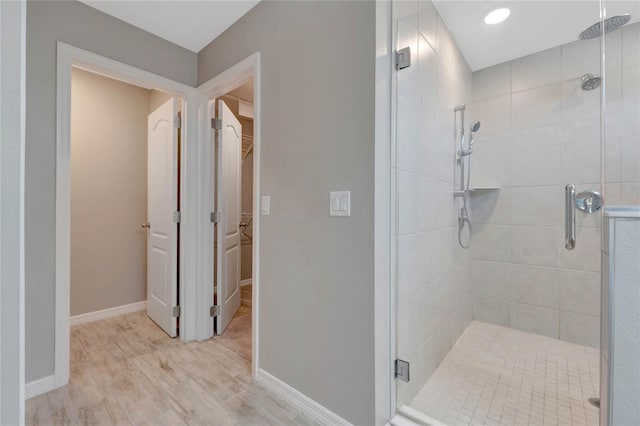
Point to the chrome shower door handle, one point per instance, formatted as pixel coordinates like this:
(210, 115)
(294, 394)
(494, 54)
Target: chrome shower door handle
(570, 217)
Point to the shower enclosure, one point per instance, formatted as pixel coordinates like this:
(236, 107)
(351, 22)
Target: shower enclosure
(497, 282)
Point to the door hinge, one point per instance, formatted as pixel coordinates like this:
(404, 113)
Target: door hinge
(176, 311)
(401, 370)
(403, 58)
(177, 121)
(176, 217)
(215, 217)
(216, 124)
(214, 311)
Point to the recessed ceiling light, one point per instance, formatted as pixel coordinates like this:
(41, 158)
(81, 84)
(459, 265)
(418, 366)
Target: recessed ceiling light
(497, 16)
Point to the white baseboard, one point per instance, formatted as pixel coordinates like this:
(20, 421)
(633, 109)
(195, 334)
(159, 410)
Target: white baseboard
(302, 402)
(107, 313)
(40, 386)
(248, 281)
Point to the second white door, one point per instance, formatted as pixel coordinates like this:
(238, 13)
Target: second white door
(229, 173)
(162, 229)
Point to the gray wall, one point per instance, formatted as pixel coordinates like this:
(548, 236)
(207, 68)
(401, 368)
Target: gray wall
(316, 281)
(12, 72)
(86, 28)
(108, 192)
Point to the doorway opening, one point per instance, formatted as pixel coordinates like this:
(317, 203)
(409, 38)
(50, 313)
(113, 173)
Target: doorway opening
(233, 155)
(168, 159)
(226, 291)
(124, 209)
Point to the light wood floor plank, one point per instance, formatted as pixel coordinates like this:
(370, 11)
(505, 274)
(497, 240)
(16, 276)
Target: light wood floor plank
(126, 371)
(106, 412)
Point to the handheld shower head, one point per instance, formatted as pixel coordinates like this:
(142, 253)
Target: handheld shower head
(472, 129)
(475, 126)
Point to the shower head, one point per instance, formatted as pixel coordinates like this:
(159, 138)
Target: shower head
(590, 82)
(475, 127)
(610, 24)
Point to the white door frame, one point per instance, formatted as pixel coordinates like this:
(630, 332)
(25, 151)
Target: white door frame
(67, 57)
(234, 77)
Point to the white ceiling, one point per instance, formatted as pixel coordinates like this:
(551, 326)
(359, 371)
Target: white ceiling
(187, 23)
(532, 27)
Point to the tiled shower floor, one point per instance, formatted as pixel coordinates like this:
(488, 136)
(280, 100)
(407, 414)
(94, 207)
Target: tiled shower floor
(500, 376)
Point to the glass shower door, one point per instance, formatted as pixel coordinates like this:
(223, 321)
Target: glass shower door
(621, 150)
(432, 287)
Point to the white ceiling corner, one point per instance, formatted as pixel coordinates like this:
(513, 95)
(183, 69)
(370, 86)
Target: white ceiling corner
(534, 25)
(187, 23)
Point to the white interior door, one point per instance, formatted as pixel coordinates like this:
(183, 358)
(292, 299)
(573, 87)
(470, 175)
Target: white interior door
(162, 203)
(228, 201)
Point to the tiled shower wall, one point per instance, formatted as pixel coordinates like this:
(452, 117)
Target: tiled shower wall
(623, 117)
(539, 132)
(433, 302)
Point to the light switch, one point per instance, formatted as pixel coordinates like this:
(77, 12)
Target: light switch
(340, 203)
(265, 205)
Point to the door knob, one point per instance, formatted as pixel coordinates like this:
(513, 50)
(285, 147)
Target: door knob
(146, 225)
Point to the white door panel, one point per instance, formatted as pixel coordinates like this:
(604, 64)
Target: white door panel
(162, 179)
(228, 232)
